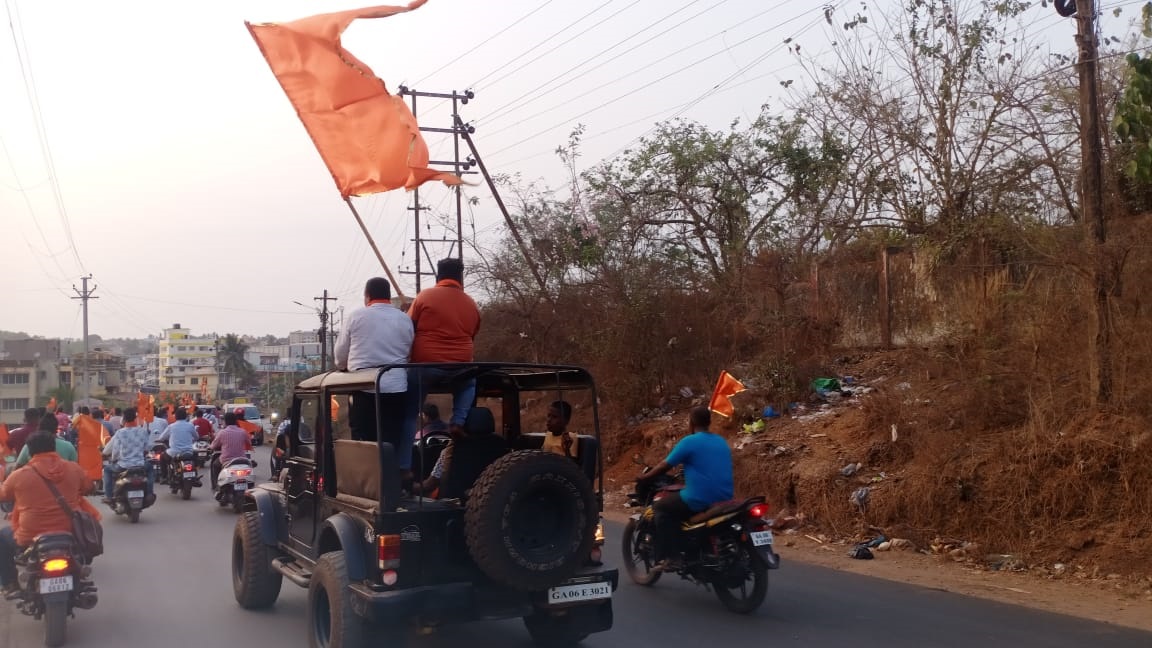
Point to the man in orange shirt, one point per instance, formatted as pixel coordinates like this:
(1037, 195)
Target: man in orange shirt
(446, 321)
(36, 510)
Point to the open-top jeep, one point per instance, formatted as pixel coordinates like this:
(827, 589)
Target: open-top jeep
(514, 532)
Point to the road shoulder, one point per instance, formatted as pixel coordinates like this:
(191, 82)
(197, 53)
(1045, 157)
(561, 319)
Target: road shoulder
(1123, 603)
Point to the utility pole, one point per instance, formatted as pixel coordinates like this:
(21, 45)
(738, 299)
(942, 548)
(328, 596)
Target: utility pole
(84, 294)
(324, 329)
(1092, 182)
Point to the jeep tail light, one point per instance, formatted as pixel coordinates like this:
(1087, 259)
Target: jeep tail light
(600, 532)
(758, 511)
(596, 556)
(389, 577)
(388, 551)
(56, 565)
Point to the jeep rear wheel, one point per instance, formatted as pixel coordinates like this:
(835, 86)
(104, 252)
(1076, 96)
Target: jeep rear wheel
(531, 520)
(254, 582)
(331, 621)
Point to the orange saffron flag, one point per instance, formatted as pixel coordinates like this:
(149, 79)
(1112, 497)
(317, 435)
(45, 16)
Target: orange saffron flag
(144, 407)
(51, 406)
(367, 137)
(726, 387)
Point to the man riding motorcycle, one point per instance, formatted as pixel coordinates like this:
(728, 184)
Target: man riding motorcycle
(36, 509)
(707, 462)
(127, 449)
(181, 437)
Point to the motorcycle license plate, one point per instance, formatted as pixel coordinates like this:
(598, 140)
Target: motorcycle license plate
(189, 474)
(240, 486)
(136, 494)
(58, 584)
(578, 593)
(761, 538)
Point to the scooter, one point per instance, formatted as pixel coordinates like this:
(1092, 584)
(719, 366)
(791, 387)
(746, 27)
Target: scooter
(234, 480)
(54, 580)
(202, 452)
(128, 494)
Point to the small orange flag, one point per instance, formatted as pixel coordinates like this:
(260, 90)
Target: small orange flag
(3, 438)
(367, 137)
(51, 406)
(726, 386)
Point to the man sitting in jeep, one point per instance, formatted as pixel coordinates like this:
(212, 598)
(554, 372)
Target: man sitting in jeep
(474, 449)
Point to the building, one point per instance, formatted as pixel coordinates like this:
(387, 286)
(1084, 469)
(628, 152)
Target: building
(31, 349)
(107, 374)
(24, 384)
(187, 363)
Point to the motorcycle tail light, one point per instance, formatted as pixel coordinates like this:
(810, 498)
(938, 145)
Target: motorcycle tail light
(243, 473)
(56, 565)
(188, 466)
(388, 551)
(758, 511)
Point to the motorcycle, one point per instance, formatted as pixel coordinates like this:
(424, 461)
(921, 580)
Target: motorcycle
(727, 548)
(156, 458)
(184, 476)
(279, 449)
(128, 494)
(201, 452)
(234, 480)
(54, 580)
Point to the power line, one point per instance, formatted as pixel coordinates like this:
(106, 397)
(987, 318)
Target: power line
(638, 89)
(484, 42)
(25, 61)
(543, 42)
(497, 114)
(563, 43)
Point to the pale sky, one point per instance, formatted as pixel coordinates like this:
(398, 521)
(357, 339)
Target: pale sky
(194, 195)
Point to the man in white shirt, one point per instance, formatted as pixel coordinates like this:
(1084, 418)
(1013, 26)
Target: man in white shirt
(157, 426)
(374, 336)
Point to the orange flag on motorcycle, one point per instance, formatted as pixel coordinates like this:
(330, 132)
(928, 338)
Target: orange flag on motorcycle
(726, 387)
(367, 137)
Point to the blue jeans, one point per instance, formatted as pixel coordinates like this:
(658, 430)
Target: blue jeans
(418, 379)
(112, 471)
(8, 551)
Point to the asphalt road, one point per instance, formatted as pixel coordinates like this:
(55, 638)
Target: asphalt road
(165, 582)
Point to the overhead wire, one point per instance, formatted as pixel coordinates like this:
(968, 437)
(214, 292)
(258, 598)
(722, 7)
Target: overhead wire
(499, 112)
(24, 59)
(485, 41)
(633, 91)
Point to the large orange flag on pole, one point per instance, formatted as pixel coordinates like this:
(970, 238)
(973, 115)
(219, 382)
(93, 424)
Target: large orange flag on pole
(726, 387)
(367, 137)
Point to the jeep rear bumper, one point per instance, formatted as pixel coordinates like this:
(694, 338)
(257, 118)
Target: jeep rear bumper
(462, 602)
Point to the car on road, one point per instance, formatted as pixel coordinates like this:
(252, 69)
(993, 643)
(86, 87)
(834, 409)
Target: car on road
(513, 532)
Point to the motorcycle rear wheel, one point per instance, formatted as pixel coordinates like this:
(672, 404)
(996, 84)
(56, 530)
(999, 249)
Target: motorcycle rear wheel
(744, 599)
(133, 515)
(55, 623)
(186, 490)
(638, 567)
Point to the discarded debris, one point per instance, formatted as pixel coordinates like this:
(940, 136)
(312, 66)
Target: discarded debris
(770, 412)
(753, 428)
(895, 434)
(851, 469)
(859, 497)
(686, 392)
(814, 539)
(860, 552)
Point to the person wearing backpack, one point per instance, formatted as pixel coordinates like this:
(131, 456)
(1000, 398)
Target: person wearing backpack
(36, 509)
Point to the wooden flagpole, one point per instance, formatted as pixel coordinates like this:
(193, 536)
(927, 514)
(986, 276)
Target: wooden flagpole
(372, 242)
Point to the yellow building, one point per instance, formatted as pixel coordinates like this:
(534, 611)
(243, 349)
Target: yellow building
(187, 363)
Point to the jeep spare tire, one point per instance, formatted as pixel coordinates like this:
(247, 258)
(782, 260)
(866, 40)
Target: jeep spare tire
(531, 520)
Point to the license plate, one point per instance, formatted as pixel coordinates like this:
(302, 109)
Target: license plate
(761, 538)
(136, 494)
(577, 593)
(58, 584)
(189, 474)
(240, 486)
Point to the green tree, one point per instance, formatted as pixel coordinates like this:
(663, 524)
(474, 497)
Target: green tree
(230, 356)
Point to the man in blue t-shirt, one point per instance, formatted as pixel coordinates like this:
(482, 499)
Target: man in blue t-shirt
(707, 462)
